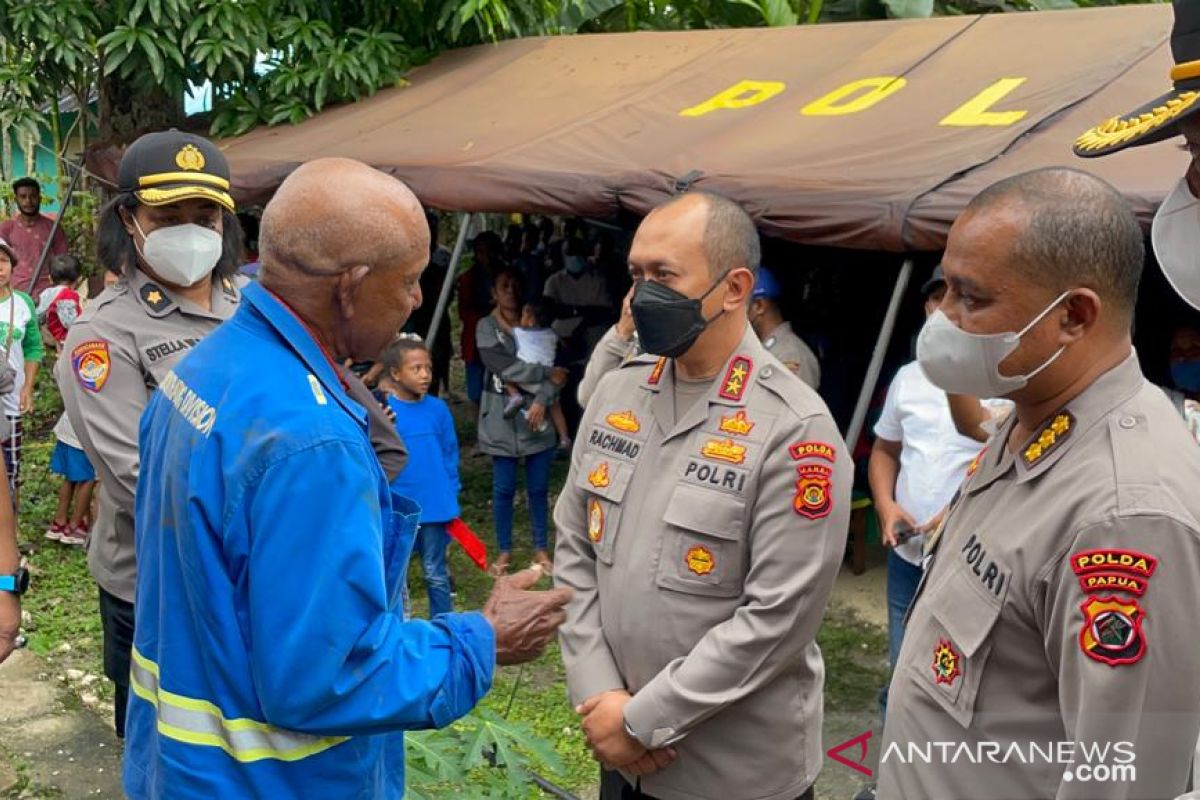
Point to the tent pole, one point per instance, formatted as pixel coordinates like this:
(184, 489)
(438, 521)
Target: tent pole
(464, 225)
(882, 343)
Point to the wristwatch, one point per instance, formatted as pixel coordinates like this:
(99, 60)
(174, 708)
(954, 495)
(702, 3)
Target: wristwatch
(16, 583)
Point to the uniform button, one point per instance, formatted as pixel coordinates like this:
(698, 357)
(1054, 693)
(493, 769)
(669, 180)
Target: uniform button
(1128, 422)
(767, 372)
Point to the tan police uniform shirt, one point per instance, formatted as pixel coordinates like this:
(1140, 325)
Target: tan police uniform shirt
(784, 344)
(702, 553)
(115, 354)
(1060, 605)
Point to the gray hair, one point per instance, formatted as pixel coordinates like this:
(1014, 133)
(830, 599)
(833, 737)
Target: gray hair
(1079, 231)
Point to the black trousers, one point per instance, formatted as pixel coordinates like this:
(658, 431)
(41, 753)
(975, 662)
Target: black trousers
(116, 617)
(614, 787)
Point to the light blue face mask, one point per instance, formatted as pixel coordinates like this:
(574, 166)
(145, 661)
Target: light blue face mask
(1186, 376)
(575, 264)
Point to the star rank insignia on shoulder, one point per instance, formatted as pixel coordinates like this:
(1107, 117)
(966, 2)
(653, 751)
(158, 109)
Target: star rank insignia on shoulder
(154, 297)
(1049, 438)
(733, 385)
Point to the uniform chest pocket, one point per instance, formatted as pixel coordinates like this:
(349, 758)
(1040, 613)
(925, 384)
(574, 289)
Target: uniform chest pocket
(605, 481)
(703, 543)
(955, 641)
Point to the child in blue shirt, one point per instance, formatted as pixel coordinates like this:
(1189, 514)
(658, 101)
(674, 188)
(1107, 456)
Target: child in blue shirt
(430, 478)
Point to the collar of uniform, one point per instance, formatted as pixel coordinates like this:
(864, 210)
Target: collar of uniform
(782, 329)
(729, 388)
(157, 301)
(288, 325)
(995, 460)
(1058, 434)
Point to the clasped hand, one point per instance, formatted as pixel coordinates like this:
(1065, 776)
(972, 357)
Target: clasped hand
(604, 725)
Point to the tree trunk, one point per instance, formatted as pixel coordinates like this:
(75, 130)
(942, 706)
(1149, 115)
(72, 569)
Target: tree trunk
(126, 112)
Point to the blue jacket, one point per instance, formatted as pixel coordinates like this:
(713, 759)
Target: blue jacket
(271, 658)
(430, 478)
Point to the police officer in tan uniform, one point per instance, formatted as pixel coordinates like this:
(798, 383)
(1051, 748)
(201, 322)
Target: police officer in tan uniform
(172, 234)
(776, 332)
(701, 528)
(1052, 641)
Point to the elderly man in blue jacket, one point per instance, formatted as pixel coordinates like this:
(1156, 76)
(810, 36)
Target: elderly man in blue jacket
(271, 657)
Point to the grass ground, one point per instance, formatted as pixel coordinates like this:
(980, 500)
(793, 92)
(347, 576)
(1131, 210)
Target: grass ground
(65, 629)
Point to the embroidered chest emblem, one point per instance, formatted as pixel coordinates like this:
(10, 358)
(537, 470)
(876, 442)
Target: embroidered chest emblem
(599, 476)
(1048, 439)
(595, 521)
(813, 499)
(738, 425)
(947, 663)
(700, 560)
(724, 450)
(625, 421)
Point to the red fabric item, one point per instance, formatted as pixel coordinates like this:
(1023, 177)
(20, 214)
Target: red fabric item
(65, 304)
(471, 544)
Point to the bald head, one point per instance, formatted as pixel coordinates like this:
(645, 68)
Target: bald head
(333, 214)
(730, 240)
(1073, 229)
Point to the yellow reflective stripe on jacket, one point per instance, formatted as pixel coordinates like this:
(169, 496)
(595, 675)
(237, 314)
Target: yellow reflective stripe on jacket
(199, 722)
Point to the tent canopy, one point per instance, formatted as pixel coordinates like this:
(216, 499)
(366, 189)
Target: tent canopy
(866, 135)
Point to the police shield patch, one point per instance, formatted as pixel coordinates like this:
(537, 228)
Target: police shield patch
(1112, 631)
(813, 498)
(91, 363)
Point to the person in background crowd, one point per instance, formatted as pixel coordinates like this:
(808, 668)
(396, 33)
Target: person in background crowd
(14, 579)
(431, 288)
(249, 223)
(430, 477)
(59, 305)
(58, 308)
(917, 463)
(27, 234)
(21, 340)
(572, 229)
(174, 238)
(272, 656)
(1184, 360)
(474, 303)
(528, 436)
(701, 527)
(616, 347)
(530, 264)
(776, 333)
(1060, 593)
(583, 313)
(537, 343)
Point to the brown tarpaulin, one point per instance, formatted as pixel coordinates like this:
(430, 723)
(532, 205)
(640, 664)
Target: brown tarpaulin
(593, 124)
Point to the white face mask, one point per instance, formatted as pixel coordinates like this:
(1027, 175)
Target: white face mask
(1175, 237)
(969, 363)
(181, 255)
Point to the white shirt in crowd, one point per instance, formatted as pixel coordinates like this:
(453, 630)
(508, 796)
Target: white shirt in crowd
(19, 307)
(934, 456)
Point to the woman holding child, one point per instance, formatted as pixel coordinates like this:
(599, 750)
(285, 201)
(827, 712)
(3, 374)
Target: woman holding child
(527, 435)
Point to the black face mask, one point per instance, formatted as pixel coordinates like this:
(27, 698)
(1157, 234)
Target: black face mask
(668, 322)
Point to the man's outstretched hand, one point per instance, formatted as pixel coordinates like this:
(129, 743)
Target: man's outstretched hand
(524, 621)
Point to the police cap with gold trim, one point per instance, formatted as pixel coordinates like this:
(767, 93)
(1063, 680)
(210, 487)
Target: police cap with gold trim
(168, 166)
(1158, 119)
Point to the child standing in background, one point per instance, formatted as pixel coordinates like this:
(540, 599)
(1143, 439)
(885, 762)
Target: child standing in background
(58, 307)
(430, 478)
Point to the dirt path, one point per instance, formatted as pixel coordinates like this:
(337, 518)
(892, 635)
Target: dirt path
(50, 746)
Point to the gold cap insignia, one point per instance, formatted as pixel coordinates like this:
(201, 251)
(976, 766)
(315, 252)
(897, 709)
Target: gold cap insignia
(190, 158)
(1117, 130)
(724, 450)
